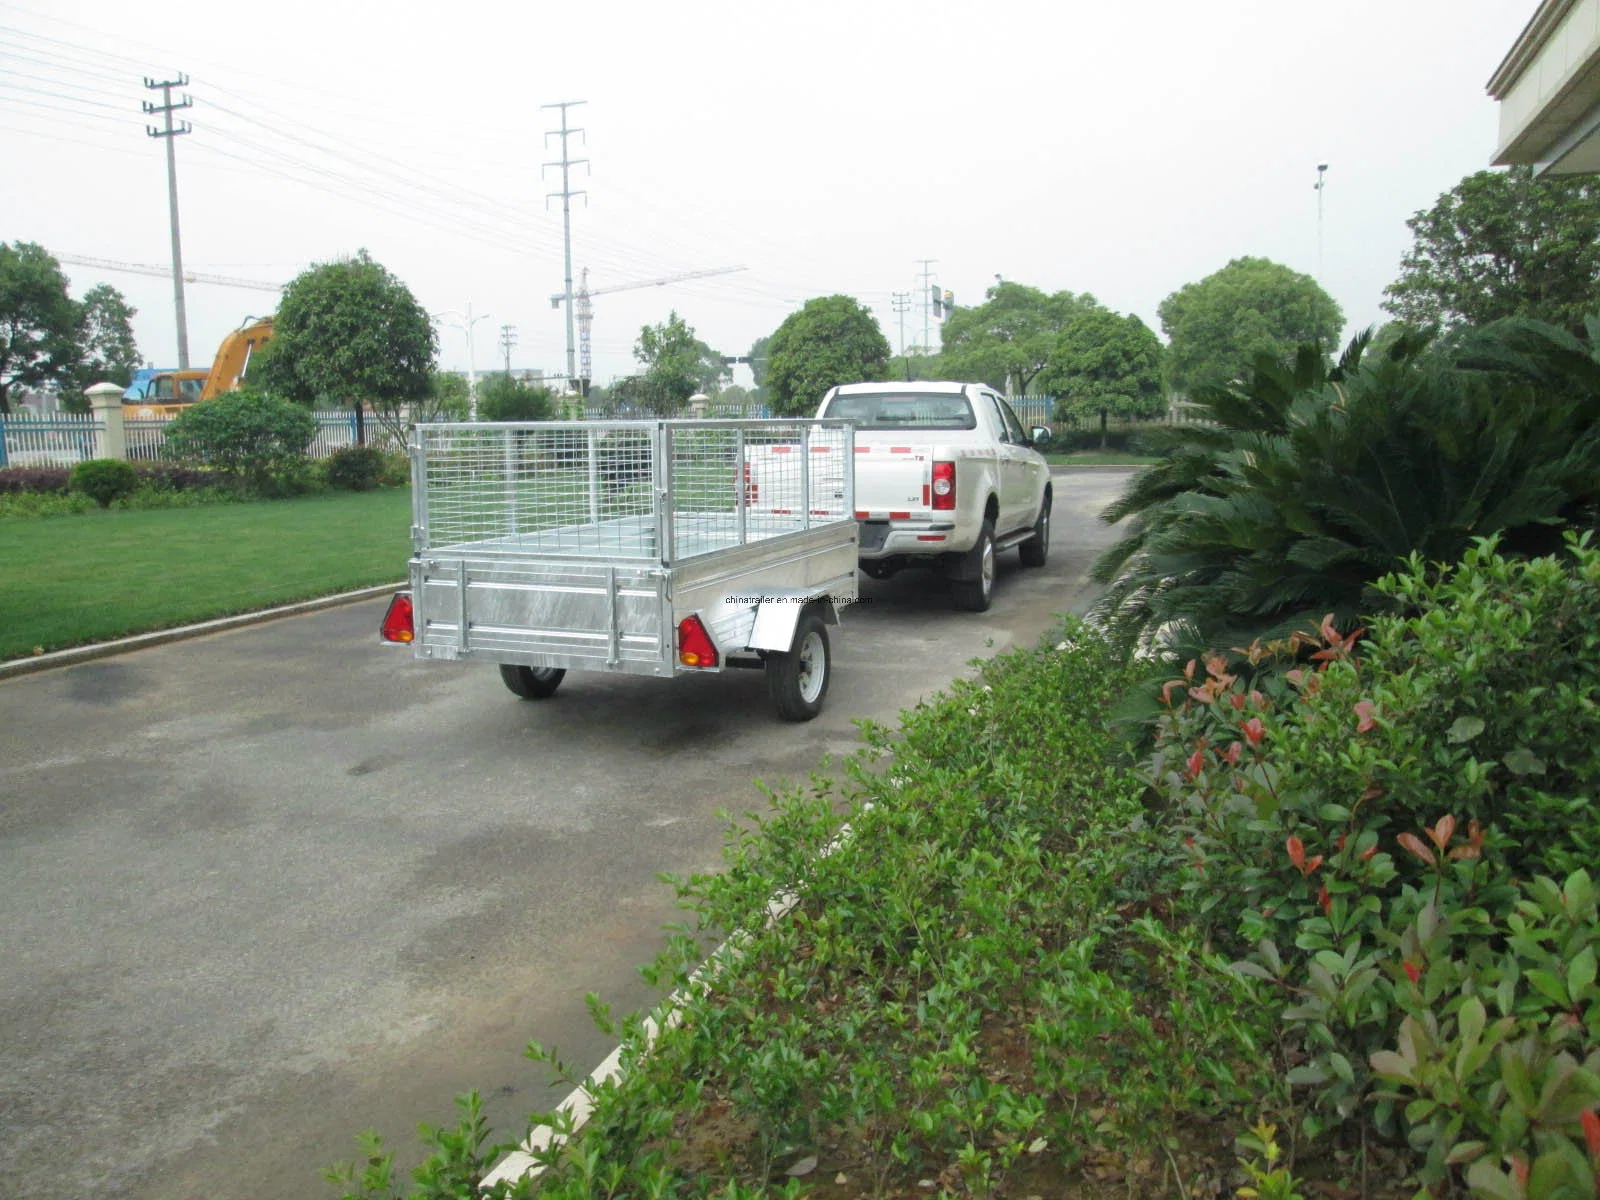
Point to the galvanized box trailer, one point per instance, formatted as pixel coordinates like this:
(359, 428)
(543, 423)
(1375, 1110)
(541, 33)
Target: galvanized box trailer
(635, 547)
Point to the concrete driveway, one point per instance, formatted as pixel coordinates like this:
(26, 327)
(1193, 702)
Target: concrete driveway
(267, 888)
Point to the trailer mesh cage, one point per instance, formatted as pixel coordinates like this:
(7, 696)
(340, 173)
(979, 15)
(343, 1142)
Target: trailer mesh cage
(649, 490)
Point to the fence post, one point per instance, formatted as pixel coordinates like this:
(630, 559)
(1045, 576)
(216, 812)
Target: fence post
(110, 440)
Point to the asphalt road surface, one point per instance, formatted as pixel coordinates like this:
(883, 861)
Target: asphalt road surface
(267, 888)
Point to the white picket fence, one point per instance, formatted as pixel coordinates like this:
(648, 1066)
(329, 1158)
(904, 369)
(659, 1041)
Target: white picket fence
(62, 439)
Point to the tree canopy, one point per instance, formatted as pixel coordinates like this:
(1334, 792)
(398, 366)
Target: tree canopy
(39, 323)
(1503, 244)
(349, 332)
(1217, 326)
(503, 397)
(1107, 363)
(831, 340)
(107, 352)
(1011, 334)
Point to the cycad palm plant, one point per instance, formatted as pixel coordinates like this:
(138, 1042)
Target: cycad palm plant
(1311, 483)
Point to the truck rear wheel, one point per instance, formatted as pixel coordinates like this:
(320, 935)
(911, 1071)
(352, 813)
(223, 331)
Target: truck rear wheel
(977, 593)
(1034, 551)
(797, 679)
(532, 683)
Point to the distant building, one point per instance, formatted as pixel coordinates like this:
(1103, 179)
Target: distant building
(1548, 87)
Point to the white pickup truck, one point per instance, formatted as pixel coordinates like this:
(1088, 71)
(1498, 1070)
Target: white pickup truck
(945, 477)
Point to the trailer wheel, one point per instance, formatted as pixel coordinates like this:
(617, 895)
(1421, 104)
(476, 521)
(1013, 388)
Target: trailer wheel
(977, 593)
(797, 679)
(532, 683)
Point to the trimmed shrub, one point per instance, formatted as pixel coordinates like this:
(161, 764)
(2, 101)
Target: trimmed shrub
(355, 468)
(22, 480)
(104, 480)
(257, 439)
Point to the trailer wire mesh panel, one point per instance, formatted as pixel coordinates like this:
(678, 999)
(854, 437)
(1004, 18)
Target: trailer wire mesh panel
(644, 490)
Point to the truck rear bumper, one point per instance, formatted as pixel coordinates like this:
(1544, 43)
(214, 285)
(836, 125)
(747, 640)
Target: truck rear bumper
(913, 539)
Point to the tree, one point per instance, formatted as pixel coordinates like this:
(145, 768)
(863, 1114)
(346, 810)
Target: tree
(1105, 364)
(39, 323)
(1503, 244)
(503, 397)
(677, 365)
(1308, 483)
(760, 351)
(1219, 325)
(831, 340)
(1008, 337)
(107, 352)
(918, 366)
(349, 332)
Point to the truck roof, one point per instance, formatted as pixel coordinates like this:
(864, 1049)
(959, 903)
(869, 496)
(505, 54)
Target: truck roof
(938, 387)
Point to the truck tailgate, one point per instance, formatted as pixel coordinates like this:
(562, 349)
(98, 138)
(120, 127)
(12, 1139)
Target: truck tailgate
(893, 480)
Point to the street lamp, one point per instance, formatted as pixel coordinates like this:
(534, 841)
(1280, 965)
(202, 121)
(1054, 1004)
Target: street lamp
(1316, 301)
(466, 321)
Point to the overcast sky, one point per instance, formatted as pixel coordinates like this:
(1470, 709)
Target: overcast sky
(1120, 149)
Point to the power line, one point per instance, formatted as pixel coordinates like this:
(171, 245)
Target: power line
(171, 132)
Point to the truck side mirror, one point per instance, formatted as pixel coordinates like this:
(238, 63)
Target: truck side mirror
(1039, 437)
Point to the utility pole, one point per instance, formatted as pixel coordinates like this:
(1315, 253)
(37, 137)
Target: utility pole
(1316, 299)
(902, 302)
(508, 339)
(927, 305)
(170, 131)
(566, 193)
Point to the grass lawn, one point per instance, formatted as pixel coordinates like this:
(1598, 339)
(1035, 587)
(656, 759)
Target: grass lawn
(76, 579)
(1100, 458)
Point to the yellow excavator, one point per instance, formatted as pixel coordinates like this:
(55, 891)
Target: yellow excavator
(166, 393)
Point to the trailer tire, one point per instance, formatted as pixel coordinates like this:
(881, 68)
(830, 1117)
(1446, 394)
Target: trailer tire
(532, 683)
(977, 593)
(1034, 551)
(797, 678)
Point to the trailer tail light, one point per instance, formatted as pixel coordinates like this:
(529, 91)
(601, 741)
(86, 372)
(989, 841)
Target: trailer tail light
(695, 647)
(944, 485)
(752, 490)
(397, 626)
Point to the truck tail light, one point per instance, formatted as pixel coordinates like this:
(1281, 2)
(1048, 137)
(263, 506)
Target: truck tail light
(695, 647)
(944, 485)
(752, 490)
(397, 626)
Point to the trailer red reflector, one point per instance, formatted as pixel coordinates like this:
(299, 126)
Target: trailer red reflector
(782, 449)
(899, 449)
(695, 647)
(863, 449)
(863, 515)
(944, 485)
(397, 626)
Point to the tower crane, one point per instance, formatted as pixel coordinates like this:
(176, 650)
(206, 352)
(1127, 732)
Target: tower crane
(106, 264)
(584, 310)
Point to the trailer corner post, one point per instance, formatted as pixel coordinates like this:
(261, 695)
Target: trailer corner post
(666, 539)
(419, 494)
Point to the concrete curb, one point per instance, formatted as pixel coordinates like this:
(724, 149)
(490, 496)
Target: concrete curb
(141, 641)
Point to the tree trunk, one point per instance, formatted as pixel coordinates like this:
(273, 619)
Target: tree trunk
(361, 424)
(1103, 428)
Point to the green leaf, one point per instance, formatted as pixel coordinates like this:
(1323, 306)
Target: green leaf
(1489, 1181)
(1390, 1065)
(1464, 729)
(1550, 984)
(1581, 972)
(1301, 1076)
(1523, 761)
